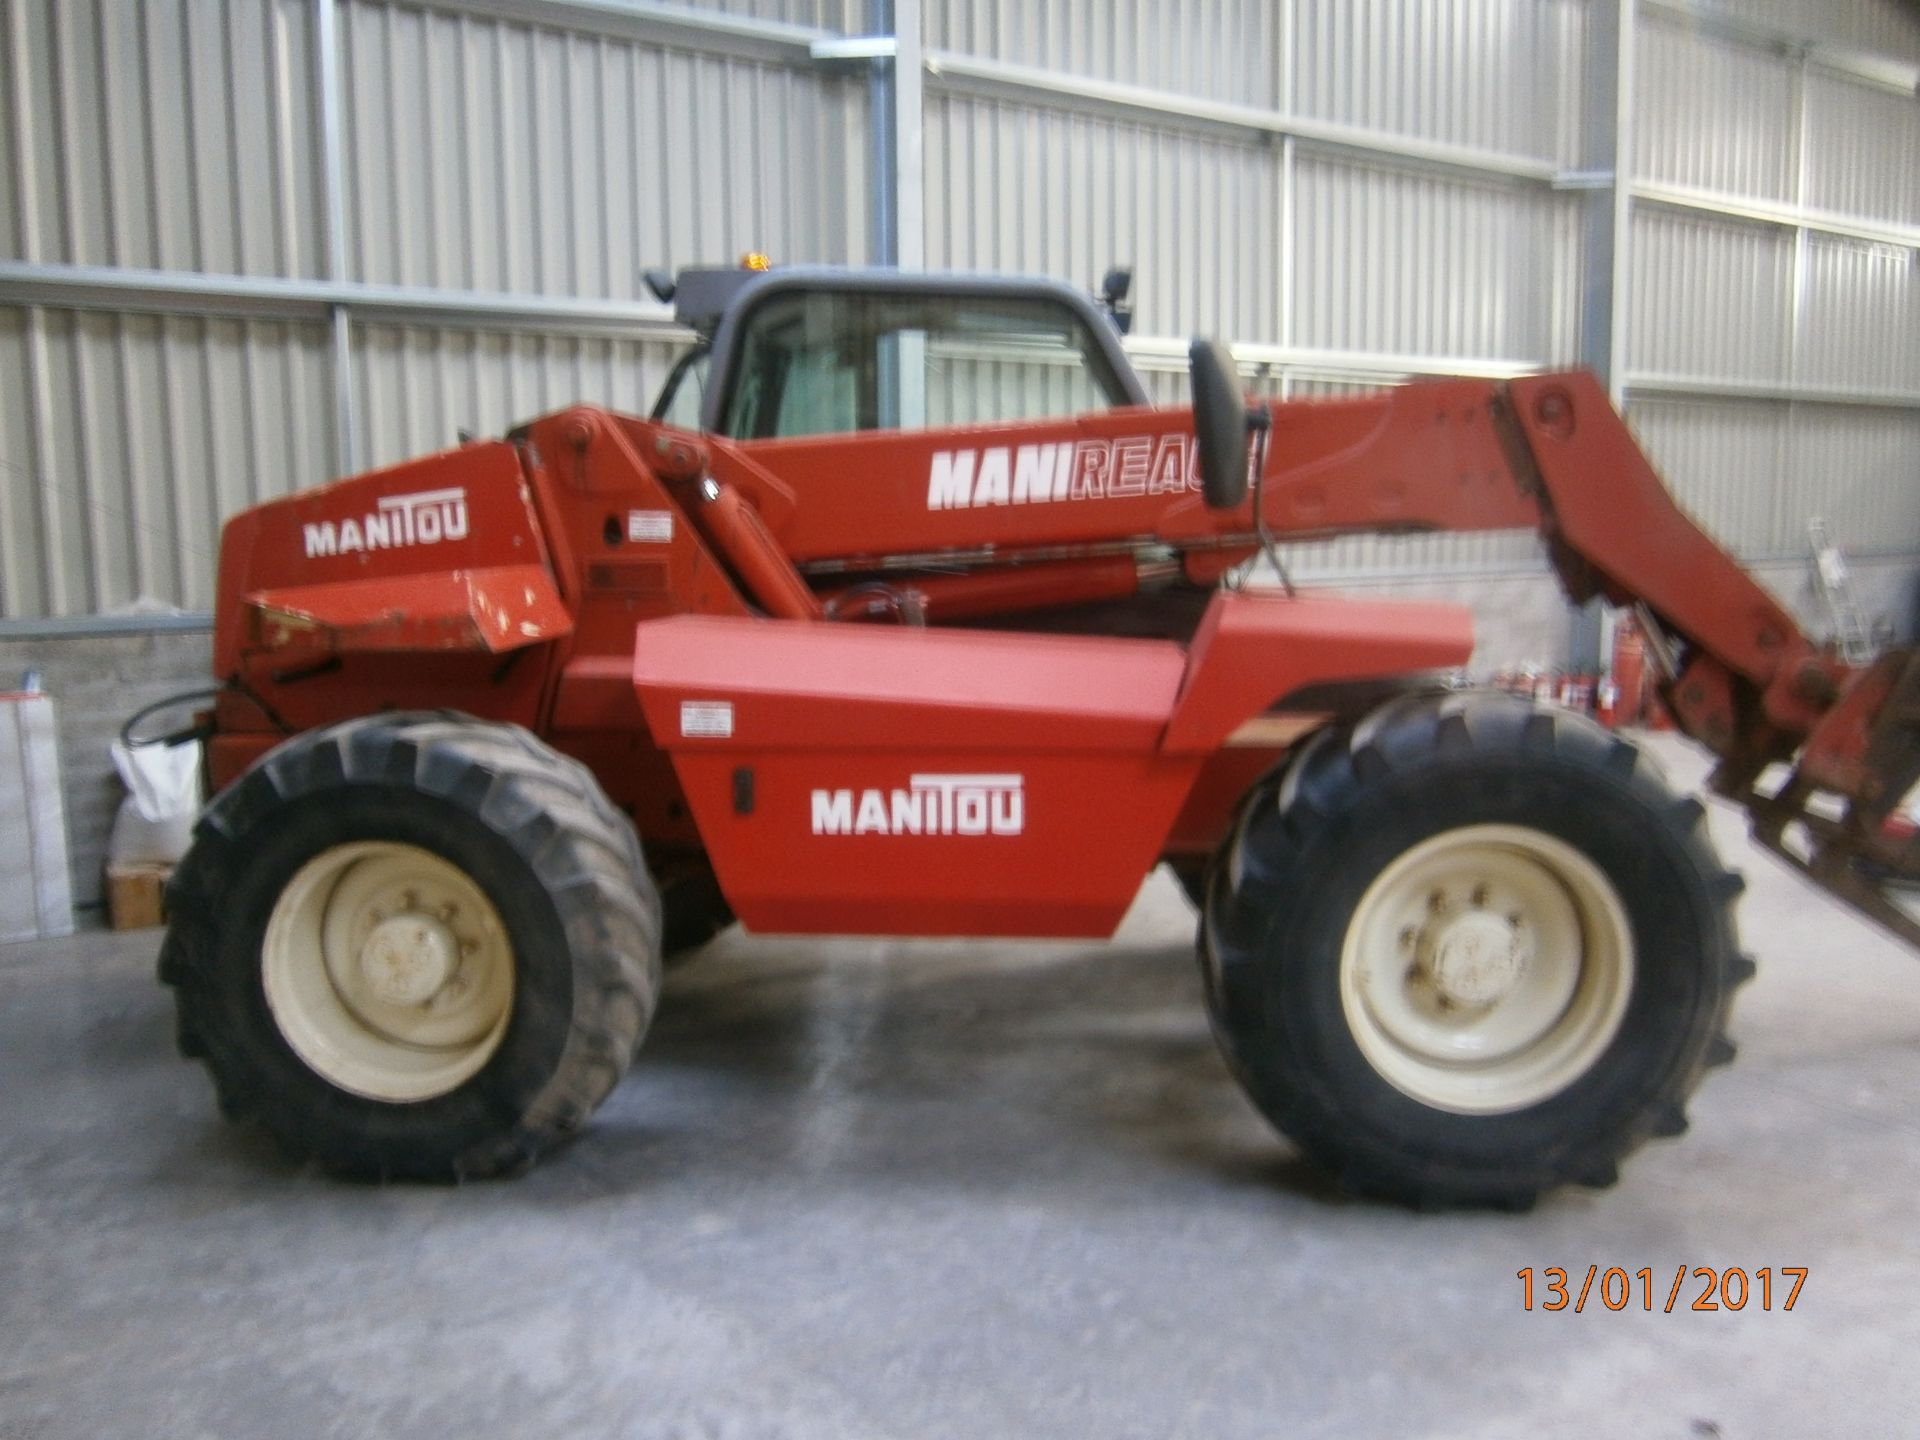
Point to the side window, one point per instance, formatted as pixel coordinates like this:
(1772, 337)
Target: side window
(824, 363)
(980, 373)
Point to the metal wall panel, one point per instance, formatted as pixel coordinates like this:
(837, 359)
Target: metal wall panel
(847, 16)
(1713, 113)
(418, 387)
(161, 134)
(1888, 27)
(1136, 42)
(1422, 264)
(483, 154)
(129, 438)
(1725, 462)
(1411, 557)
(1387, 260)
(1755, 472)
(1057, 192)
(1502, 75)
(1711, 297)
(1860, 319)
(1863, 150)
(1783, 310)
(1499, 75)
(1860, 470)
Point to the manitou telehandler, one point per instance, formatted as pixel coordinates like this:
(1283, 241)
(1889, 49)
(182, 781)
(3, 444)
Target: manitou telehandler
(907, 615)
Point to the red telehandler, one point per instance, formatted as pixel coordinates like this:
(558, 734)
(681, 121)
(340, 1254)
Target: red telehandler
(907, 615)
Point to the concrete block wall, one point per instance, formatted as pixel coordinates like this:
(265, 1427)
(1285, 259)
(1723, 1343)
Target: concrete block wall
(97, 682)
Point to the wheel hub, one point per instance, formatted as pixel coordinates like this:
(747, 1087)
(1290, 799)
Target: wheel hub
(1473, 959)
(408, 959)
(1486, 968)
(388, 970)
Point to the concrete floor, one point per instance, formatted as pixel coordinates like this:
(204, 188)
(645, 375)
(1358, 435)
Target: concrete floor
(861, 1189)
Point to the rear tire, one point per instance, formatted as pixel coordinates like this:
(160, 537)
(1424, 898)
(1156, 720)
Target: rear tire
(414, 946)
(1470, 950)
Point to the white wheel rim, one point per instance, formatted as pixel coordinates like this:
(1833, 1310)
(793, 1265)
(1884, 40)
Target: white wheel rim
(388, 971)
(1486, 969)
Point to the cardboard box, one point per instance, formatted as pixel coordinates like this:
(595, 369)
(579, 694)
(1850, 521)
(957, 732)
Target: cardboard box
(136, 895)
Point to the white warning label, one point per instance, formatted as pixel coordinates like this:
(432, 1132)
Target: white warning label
(706, 719)
(650, 526)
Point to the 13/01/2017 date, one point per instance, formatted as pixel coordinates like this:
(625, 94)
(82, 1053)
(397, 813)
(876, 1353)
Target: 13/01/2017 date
(1617, 1288)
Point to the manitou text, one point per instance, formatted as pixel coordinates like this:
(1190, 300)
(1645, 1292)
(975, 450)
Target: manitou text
(425, 517)
(930, 805)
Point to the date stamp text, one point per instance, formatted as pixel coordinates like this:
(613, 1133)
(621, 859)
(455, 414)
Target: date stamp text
(1695, 1287)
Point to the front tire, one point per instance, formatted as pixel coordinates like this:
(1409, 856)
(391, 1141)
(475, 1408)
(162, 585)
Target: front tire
(414, 946)
(1470, 950)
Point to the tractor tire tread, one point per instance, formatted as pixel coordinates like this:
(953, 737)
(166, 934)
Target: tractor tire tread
(1288, 813)
(548, 808)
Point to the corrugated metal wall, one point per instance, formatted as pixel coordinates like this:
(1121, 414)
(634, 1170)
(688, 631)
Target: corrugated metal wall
(245, 244)
(1755, 336)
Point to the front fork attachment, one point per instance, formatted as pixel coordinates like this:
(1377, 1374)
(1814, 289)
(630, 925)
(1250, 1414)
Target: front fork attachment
(1830, 820)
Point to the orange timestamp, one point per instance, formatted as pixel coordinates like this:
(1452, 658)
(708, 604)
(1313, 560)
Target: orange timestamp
(1696, 1287)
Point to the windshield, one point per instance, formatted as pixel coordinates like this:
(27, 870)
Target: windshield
(685, 387)
(821, 362)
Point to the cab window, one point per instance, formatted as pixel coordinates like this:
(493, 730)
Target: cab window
(685, 389)
(826, 363)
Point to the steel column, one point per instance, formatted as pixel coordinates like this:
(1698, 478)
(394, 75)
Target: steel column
(896, 157)
(878, 52)
(333, 201)
(1608, 234)
(909, 150)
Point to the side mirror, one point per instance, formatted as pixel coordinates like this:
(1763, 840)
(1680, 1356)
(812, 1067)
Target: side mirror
(1114, 290)
(1219, 424)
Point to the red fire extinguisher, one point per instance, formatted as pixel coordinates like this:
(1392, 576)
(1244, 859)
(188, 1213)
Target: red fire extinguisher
(1605, 702)
(1629, 677)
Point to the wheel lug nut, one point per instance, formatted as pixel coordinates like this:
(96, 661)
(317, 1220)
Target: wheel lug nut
(1407, 936)
(1437, 900)
(1480, 897)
